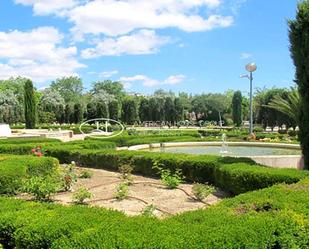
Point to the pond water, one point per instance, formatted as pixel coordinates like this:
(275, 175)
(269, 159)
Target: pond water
(231, 150)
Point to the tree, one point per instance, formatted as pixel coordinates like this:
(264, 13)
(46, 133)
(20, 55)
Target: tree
(91, 111)
(169, 109)
(179, 110)
(70, 88)
(289, 105)
(13, 87)
(102, 110)
(129, 111)
(143, 110)
(69, 114)
(9, 107)
(52, 101)
(114, 88)
(299, 39)
(237, 108)
(270, 116)
(113, 108)
(156, 108)
(30, 105)
(78, 113)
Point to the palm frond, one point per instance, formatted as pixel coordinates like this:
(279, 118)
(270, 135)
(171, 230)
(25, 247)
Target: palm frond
(289, 105)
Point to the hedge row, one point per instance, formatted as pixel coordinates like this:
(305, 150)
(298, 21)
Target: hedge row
(277, 217)
(13, 169)
(25, 148)
(237, 175)
(28, 140)
(232, 174)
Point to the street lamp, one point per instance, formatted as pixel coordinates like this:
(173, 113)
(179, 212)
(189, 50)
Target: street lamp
(251, 67)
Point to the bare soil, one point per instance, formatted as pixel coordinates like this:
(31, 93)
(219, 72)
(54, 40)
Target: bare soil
(143, 192)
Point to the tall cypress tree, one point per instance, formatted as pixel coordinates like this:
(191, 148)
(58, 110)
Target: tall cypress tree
(30, 105)
(113, 108)
(237, 108)
(78, 113)
(299, 39)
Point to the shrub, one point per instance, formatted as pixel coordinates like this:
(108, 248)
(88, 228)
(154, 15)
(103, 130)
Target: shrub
(201, 191)
(41, 187)
(69, 176)
(85, 174)
(169, 179)
(149, 210)
(122, 191)
(292, 133)
(275, 217)
(81, 195)
(14, 169)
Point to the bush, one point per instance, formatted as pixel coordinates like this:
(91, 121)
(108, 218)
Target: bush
(122, 191)
(40, 187)
(293, 133)
(169, 179)
(14, 169)
(149, 210)
(85, 174)
(81, 195)
(201, 191)
(276, 217)
(195, 168)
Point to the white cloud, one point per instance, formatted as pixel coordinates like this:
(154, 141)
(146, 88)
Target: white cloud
(141, 42)
(245, 55)
(174, 79)
(36, 54)
(236, 5)
(108, 74)
(46, 7)
(149, 82)
(119, 17)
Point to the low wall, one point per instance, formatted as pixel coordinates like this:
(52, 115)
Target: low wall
(282, 161)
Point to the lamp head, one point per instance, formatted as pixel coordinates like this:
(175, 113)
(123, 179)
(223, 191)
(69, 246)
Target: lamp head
(251, 67)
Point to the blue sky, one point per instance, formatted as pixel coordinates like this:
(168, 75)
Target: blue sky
(180, 45)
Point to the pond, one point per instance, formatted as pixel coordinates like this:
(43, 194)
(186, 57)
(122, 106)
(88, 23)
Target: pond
(244, 151)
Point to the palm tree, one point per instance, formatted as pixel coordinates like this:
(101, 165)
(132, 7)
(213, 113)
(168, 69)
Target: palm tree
(289, 105)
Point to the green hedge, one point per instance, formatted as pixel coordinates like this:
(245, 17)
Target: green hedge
(28, 140)
(236, 175)
(13, 169)
(277, 217)
(232, 174)
(22, 149)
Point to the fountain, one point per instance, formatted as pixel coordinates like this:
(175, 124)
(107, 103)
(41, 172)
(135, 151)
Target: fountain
(224, 147)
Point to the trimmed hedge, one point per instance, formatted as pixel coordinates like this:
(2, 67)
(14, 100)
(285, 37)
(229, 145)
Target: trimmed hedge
(28, 140)
(236, 175)
(13, 169)
(277, 217)
(22, 149)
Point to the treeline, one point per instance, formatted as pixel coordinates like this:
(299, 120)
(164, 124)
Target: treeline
(65, 101)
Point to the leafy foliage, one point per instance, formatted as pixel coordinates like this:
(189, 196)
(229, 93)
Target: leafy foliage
(122, 191)
(30, 105)
(276, 217)
(201, 191)
(299, 39)
(81, 195)
(237, 108)
(41, 187)
(171, 180)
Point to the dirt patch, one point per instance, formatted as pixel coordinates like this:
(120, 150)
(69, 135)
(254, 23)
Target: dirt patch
(144, 191)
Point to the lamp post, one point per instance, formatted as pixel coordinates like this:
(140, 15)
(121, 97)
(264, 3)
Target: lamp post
(251, 67)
